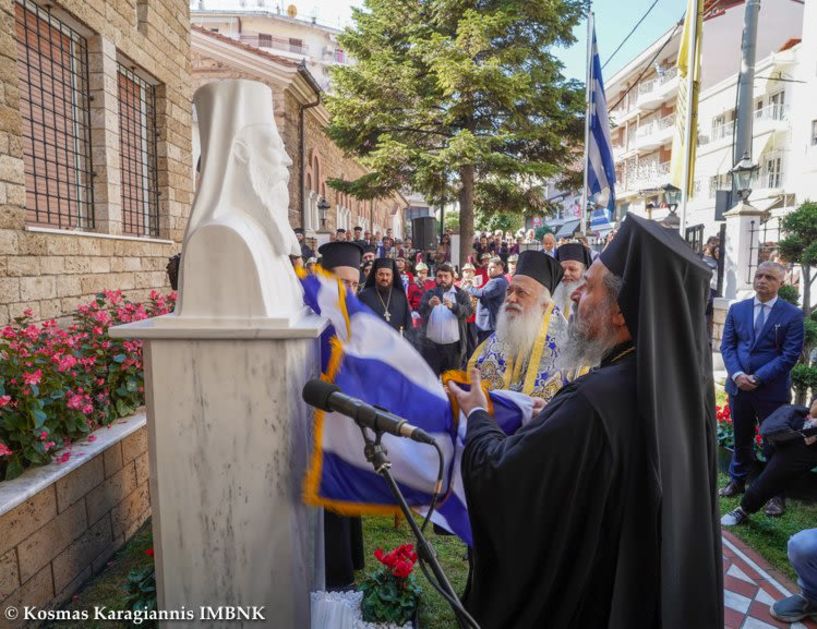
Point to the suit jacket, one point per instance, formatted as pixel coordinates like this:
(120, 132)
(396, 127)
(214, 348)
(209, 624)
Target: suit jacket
(462, 310)
(769, 357)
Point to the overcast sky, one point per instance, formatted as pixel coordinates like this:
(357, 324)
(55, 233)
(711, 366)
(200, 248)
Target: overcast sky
(614, 19)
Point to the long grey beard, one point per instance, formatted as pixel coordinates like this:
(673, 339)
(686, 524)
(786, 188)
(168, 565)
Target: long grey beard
(518, 333)
(581, 350)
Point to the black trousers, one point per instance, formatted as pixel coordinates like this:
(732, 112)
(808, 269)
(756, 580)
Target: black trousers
(747, 412)
(442, 358)
(789, 461)
(343, 549)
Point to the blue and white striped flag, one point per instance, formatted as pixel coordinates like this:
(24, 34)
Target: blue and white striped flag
(601, 168)
(370, 361)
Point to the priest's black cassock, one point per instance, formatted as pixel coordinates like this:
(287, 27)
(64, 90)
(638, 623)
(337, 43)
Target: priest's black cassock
(602, 512)
(392, 300)
(343, 535)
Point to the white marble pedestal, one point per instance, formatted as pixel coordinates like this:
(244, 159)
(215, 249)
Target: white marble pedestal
(229, 437)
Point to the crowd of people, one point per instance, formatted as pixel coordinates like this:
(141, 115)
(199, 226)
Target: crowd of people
(511, 316)
(407, 285)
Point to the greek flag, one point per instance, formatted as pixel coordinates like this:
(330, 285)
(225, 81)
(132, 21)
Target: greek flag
(601, 169)
(370, 361)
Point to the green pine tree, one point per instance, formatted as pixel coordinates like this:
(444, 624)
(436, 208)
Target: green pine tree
(459, 98)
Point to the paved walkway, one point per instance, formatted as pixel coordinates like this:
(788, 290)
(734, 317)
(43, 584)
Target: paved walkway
(751, 586)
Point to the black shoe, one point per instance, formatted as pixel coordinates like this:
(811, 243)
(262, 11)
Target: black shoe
(775, 507)
(793, 609)
(734, 488)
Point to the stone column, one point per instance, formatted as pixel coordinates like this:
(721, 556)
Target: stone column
(738, 250)
(229, 441)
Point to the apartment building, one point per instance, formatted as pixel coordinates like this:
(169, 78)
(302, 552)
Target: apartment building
(286, 34)
(642, 100)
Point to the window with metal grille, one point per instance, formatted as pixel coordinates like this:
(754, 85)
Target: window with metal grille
(52, 66)
(137, 145)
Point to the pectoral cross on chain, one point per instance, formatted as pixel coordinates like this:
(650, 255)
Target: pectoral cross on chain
(387, 315)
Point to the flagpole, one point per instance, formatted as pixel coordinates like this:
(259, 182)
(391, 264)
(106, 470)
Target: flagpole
(587, 114)
(692, 68)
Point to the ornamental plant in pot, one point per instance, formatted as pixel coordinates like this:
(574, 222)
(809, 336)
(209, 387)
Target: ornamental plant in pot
(391, 593)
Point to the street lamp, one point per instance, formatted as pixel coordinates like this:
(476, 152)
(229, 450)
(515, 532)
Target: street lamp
(323, 206)
(742, 174)
(672, 195)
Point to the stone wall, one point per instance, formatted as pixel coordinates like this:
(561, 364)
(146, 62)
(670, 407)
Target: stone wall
(61, 536)
(48, 270)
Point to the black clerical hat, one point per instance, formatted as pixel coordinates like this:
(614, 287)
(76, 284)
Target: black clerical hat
(384, 263)
(343, 253)
(574, 251)
(643, 253)
(369, 249)
(541, 267)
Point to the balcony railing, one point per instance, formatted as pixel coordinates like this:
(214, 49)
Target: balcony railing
(772, 112)
(667, 75)
(278, 43)
(646, 87)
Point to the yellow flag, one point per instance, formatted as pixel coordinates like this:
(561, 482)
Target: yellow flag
(684, 101)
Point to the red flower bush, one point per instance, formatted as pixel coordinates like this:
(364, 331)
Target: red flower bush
(399, 561)
(391, 593)
(726, 431)
(57, 385)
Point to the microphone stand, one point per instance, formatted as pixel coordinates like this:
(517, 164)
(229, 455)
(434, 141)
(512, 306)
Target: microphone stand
(376, 455)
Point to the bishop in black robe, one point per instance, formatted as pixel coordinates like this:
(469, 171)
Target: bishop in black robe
(388, 301)
(602, 511)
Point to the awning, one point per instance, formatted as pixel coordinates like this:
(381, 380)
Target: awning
(770, 203)
(759, 145)
(568, 229)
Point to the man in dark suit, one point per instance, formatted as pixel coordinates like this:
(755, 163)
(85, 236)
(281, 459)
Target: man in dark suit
(762, 340)
(444, 310)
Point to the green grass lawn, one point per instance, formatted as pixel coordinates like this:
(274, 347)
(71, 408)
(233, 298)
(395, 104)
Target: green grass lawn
(769, 536)
(451, 552)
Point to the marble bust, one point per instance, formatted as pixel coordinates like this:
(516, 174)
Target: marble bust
(235, 268)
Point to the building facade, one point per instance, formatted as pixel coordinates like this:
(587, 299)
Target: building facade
(301, 120)
(642, 99)
(286, 35)
(95, 165)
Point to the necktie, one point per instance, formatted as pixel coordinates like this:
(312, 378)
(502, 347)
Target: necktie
(761, 319)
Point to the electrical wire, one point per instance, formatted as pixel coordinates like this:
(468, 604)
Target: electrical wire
(630, 34)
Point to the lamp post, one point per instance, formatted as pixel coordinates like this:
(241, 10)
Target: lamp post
(672, 196)
(742, 174)
(323, 207)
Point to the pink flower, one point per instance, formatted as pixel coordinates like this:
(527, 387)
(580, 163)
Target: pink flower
(28, 312)
(43, 435)
(4, 450)
(48, 445)
(8, 332)
(64, 363)
(32, 378)
(4, 400)
(91, 438)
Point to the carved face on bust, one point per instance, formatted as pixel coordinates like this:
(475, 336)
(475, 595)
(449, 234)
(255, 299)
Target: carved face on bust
(268, 163)
(262, 165)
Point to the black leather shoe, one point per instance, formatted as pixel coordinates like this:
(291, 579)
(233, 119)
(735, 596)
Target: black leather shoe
(734, 488)
(775, 507)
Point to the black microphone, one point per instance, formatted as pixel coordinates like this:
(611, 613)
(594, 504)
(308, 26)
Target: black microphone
(328, 397)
